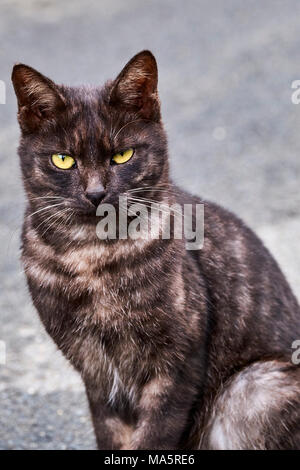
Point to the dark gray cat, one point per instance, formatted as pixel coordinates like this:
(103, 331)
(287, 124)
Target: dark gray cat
(177, 349)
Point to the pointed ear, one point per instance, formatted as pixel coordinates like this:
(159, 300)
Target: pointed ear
(38, 97)
(135, 88)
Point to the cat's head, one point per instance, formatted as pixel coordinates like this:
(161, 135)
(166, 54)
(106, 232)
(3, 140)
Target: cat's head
(83, 146)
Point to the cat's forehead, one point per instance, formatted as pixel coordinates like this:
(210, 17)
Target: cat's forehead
(88, 115)
(86, 99)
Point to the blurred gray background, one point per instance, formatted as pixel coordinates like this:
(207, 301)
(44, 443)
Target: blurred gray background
(225, 74)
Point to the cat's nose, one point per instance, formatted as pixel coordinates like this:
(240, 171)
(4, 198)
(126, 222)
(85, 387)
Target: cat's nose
(95, 197)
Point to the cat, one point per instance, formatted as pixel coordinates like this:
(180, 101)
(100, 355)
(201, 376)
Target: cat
(177, 348)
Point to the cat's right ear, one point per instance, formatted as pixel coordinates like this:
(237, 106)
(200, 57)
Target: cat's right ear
(135, 88)
(39, 99)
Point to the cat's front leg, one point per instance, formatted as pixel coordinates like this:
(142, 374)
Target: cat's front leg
(163, 413)
(111, 432)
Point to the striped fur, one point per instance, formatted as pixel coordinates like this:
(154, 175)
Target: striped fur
(177, 349)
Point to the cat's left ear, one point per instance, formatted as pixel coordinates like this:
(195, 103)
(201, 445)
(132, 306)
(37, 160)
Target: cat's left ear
(135, 88)
(39, 99)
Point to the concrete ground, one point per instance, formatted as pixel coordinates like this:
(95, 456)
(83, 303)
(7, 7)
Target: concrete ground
(226, 69)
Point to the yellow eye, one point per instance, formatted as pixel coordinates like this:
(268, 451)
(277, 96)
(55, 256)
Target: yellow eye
(123, 157)
(64, 162)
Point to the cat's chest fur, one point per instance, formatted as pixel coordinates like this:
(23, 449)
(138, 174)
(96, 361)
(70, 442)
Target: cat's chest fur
(100, 304)
(97, 271)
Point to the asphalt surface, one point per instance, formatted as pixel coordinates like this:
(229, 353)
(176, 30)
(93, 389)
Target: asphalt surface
(226, 69)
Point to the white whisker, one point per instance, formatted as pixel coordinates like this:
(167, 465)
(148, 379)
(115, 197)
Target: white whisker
(151, 202)
(150, 205)
(44, 208)
(60, 215)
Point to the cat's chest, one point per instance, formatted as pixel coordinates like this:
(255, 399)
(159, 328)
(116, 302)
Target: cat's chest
(111, 288)
(86, 279)
(103, 308)
(80, 302)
